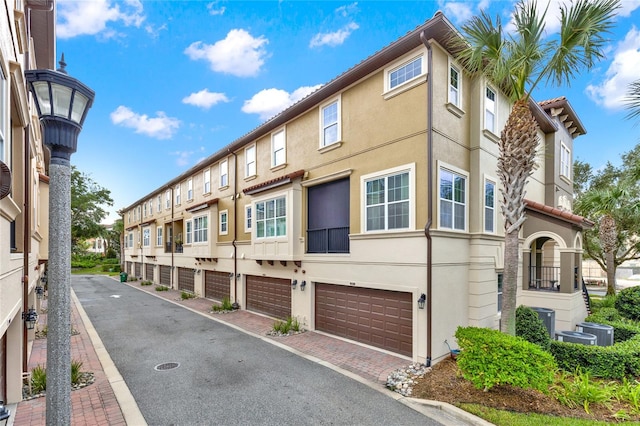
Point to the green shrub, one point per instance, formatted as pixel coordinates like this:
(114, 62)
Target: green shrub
(132, 278)
(531, 328)
(284, 327)
(146, 282)
(38, 379)
(83, 264)
(489, 358)
(110, 261)
(603, 302)
(75, 372)
(628, 303)
(629, 392)
(582, 390)
(110, 268)
(185, 295)
(623, 329)
(225, 306)
(162, 288)
(599, 361)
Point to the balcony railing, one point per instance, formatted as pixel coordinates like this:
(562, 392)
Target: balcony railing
(177, 248)
(546, 278)
(328, 240)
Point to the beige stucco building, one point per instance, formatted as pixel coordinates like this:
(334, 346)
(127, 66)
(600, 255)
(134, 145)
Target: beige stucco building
(375, 191)
(24, 205)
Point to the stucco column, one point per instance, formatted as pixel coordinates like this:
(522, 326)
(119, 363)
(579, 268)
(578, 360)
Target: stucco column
(567, 259)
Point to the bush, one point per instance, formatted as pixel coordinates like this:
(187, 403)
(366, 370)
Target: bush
(110, 261)
(75, 372)
(146, 283)
(225, 306)
(489, 358)
(162, 288)
(531, 328)
(604, 302)
(38, 379)
(623, 330)
(628, 303)
(110, 268)
(83, 264)
(284, 327)
(600, 361)
(185, 295)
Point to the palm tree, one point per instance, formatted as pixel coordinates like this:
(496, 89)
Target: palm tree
(517, 62)
(633, 99)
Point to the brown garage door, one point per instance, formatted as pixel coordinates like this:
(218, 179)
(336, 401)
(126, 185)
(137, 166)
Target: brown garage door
(379, 318)
(185, 279)
(129, 268)
(216, 285)
(148, 271)
(271, 296)
(165, 275)
(138, 272)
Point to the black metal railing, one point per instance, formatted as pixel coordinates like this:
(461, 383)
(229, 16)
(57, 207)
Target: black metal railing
(328, 240)
(544, 278)
(177, 248)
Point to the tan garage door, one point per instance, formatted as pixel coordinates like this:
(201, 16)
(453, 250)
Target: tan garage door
(165, 275)
(216, 285)
(379, 318)
(271, 296)
(148, 273)
(138, 271)
(185, 279)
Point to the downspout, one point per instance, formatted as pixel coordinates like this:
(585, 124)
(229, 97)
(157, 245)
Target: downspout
(427, 226)
(235, 228)
(173, 237)
(26, 225)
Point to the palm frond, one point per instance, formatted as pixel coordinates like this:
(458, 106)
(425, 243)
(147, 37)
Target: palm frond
(633, 100)
(582, 38)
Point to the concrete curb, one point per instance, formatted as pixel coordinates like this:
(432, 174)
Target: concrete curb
(128, 405)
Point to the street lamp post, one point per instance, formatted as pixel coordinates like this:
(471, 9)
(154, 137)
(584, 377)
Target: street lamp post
(62, 103)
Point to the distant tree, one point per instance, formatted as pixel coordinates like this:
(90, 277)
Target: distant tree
(611, 199)
(516, 61)
(113, 238)
(88, 202)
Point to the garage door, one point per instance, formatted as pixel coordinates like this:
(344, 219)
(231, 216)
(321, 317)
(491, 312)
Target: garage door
(216, 285)
(148, 272)
(185, 279)
(378, 318)
(271, 296)
(138, 271)
(165, 275)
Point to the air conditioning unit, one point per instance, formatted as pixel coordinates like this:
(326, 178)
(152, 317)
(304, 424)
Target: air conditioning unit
(603, 332)
(576, 337)
(548, 317)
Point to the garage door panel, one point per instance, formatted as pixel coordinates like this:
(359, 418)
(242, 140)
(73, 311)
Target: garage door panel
(165, 275)
(380, 318)
(271, 296)
(217, 285)
(185, 279)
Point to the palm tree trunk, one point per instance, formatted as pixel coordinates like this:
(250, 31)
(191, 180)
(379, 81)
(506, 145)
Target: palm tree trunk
(611, 273)
(510, 280)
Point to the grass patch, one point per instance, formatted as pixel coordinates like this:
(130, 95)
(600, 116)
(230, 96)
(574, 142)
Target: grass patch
(226, 306)
(284, 327)
(38, 379)
(510, 418)
(186, 295)
(75, 372)
(162, 288)
(96, 270)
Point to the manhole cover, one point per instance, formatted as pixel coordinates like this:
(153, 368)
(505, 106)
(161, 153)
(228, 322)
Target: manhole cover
(166, 366)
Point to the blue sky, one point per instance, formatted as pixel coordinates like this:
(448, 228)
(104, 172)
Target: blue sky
(176, 81)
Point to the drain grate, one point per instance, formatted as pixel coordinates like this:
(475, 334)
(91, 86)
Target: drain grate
(166, 366)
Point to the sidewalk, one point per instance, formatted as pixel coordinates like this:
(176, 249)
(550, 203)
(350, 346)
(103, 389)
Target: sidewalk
(108, 402)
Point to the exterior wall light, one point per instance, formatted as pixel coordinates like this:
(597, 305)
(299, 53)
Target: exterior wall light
(303, 284)
(294, 283)
(39, 292)
(422, 300)
(30, 317)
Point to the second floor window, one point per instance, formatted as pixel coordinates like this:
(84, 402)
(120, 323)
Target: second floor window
(250, 161)
(387, 202)
(247, 218)
(490, 110)
(278, 148)
(159, 203)
(177, 195)
(489, 206)
(271, 218)
(452, 200)
(330, 123)
(207, 181)
(405, 72)
(565, 161)
(190, 189)
(200, 229)
(454, 86)
(130, 245)
(224, 223)
(146, 237)
(144, 210)
(224, 174)
(158, 236)
(168, 200)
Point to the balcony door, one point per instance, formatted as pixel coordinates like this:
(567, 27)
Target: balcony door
(328, 217)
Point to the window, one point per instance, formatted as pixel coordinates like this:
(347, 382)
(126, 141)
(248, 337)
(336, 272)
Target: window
(271, 218)
(278, 148)
(3, 114)
(130, 245)
(250, 161)
(146, 237)
(189, 232)
(499, 292)
(159, 203)
(158, 236)
(330, 128)
(224, 173)
(190, 190)
(387, 202)
(454, 86)
(144, 209)
(405, 72)
(224, 218)
(490, 110)
(177, 195)
(150, 207)
(200, 229)
(489, 206)
(452, 200)
(129, 216)
(565, 161)
(168, 200)
(207, 181)
(247, 218)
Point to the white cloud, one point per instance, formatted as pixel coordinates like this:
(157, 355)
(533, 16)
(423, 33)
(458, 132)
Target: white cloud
(239, 54)
(77, 18)
(458, 12)
(347, 10)
(622, 71)
(160, 127)
(335, 38)
(627, 7)
(214, 10)
(269, 102)
(205, 99)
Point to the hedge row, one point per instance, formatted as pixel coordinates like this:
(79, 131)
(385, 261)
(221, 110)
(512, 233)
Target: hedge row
(623, 329)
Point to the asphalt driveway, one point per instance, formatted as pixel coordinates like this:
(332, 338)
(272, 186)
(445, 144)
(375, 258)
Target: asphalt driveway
(224, 376)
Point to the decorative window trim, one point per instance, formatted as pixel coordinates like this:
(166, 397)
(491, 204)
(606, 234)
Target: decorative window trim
(457, 105)
(485, 109)
(204, 237)
(463, 173)
(491, 136)
(248, 218)
(494, 181)
(287, 216)
(159, 235)
(223, 222)
(389, 92)
(321, 124)
(565, 173)
(411, 169)
(277, 166)
(247, 172)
